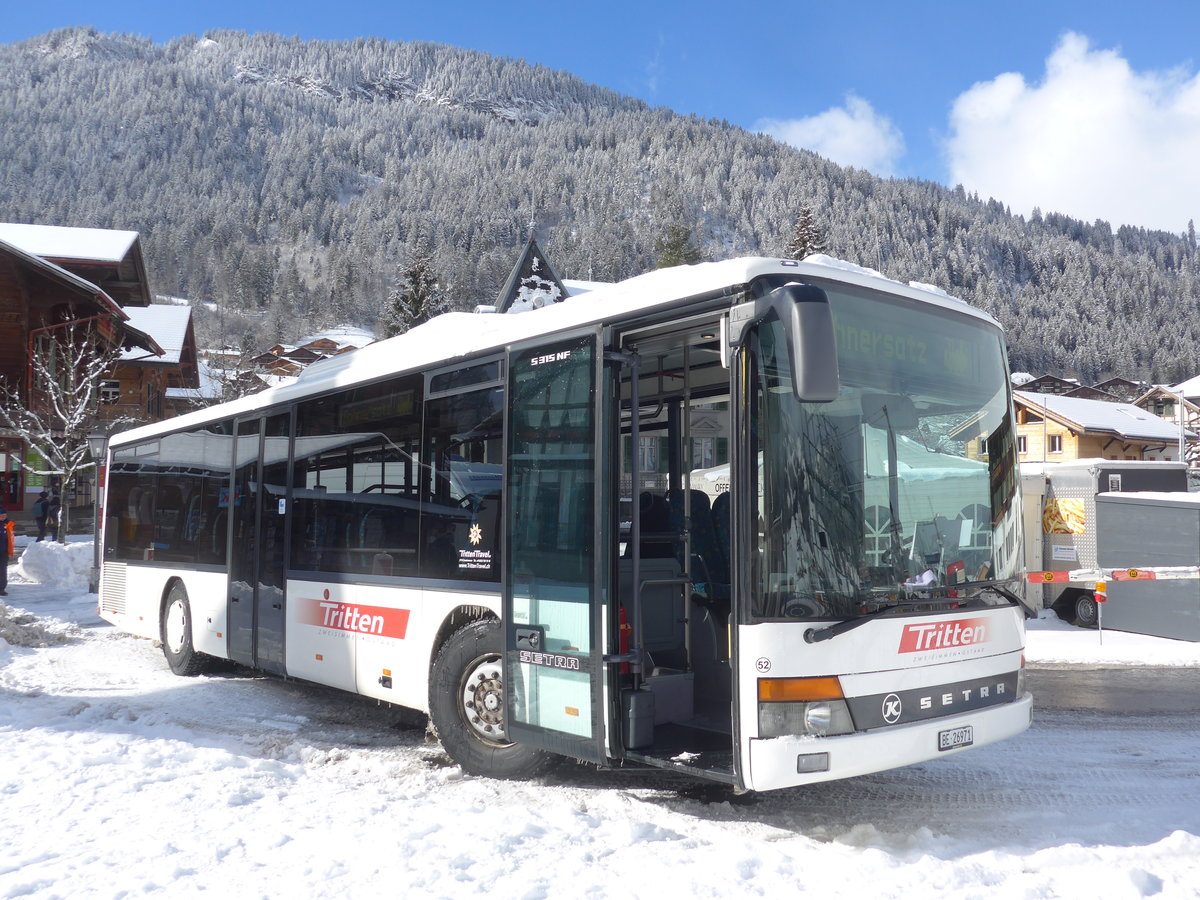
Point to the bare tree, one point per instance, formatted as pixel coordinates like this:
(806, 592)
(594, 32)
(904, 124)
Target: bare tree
(60, 410)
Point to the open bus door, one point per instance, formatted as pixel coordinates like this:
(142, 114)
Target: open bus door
(556, 563)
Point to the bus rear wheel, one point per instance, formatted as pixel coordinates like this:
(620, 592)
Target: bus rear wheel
(176, 633)
(466, 704)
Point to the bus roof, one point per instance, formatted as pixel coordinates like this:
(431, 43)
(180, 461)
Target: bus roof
(456, 335)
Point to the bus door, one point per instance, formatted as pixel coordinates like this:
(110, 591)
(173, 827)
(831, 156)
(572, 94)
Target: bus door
(557, 557)
(674, 582)
(258, 542)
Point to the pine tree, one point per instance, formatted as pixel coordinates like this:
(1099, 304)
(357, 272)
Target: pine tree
(416, 296)
(675, 247)
(806, 238)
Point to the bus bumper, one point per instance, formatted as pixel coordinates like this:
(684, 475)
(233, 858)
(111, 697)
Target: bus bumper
(782, 762)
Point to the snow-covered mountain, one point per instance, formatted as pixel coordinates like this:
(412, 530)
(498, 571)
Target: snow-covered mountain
(291, 178)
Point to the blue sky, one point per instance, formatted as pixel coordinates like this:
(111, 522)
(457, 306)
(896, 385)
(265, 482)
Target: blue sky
(1089, 108)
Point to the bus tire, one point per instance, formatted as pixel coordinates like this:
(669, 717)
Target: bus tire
(1087, 612)
(466, 705)
(176, 631)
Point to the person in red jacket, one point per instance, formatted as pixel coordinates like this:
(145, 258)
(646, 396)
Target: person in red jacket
(6, 549)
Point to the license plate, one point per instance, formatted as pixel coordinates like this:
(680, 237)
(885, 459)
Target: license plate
(953, 738)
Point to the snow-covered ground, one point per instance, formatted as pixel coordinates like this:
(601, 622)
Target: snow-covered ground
(118, 779)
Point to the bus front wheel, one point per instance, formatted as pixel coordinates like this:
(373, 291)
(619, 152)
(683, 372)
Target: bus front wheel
(466, 704)
(176, 633)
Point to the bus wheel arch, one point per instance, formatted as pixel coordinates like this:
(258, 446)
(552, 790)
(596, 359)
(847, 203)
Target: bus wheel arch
(175, 631)
(466, 704)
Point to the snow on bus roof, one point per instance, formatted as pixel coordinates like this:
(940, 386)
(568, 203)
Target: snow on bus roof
(456, 335)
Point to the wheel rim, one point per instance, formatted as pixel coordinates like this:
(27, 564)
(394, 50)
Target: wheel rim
(1086, 611)
(175, 627)
(481, 700)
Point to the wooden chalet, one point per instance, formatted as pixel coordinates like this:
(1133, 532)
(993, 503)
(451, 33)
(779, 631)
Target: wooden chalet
(303, 356)
(1167, 402)
(111, 260)
(1050, 384)
(41, 299)
(1092, 393)
(137, 388)
(325, 346)
(1056, 428)
(1122, 388)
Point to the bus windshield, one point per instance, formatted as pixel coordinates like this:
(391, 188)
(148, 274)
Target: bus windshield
(905, 482)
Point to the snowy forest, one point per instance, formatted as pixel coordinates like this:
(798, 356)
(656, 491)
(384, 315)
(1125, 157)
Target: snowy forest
(285, 185)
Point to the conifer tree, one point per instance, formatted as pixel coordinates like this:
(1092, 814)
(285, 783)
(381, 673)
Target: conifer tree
(676, 247)
(416, 295)
(806, 238)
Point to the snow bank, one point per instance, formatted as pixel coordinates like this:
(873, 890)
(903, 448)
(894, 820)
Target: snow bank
(48, 562)
(21, 629)
(1048, 639)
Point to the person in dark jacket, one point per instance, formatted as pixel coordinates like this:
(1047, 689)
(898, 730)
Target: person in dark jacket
(53, 512)
(41, 511)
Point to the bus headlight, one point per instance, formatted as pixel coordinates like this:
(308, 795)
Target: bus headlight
(802, 706)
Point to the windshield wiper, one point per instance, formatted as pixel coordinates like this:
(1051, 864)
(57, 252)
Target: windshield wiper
(994, 584)
(934, 594)
(815, 635)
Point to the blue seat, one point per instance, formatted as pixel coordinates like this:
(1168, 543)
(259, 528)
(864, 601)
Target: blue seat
(720, 520)
(709, 569)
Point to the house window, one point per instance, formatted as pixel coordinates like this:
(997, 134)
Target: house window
(1055, 443)
(1021, 444)
(110, 392)
(648, 451)
(153, 403)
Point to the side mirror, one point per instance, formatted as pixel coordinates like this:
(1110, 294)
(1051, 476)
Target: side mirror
(803, 312)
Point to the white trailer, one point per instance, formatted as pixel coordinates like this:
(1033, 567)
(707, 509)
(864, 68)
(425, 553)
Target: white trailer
(1085, 516)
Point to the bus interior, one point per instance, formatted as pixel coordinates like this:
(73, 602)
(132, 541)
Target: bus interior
(674, 555)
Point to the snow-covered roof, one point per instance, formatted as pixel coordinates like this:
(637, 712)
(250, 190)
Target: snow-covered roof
(62, 274)
(342, 335)
(210, 388)
(1189, 388)
(167, 324)
(1043, 467)
(1122, 419)
(575, 286)
(455, 335)
(60, 242)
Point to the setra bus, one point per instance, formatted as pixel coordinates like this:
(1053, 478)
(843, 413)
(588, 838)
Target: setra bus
(754, 520)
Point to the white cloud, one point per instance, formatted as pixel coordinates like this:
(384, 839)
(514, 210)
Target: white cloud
(1095, 140)
(654, 67)
(850, 135)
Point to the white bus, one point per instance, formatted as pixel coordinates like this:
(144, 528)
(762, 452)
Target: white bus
(753, 520)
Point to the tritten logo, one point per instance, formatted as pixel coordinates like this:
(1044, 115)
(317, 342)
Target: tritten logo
(376, 620)
(944, 635)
